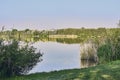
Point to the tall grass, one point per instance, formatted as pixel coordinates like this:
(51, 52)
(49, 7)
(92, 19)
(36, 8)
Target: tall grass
(109, 51)
(88, 51)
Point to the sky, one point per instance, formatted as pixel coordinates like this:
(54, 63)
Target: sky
(55, 14)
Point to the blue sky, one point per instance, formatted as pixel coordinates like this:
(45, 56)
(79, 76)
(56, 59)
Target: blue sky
(49, 14)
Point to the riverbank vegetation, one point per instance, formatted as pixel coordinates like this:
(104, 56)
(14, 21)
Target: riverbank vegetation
(107, 48)
(102, 45)
(81, 34)
(15, 59)
(110, 50)
(109, 71)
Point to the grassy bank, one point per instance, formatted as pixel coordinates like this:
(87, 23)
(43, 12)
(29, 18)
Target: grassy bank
(109, 71)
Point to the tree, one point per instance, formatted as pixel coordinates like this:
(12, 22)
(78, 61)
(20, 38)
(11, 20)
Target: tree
(36, 33)
(3, 28)
(26, 30)
(16, 60)
(119, 24)
(14, 30)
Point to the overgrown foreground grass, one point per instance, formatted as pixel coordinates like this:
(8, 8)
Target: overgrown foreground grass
(110, 71)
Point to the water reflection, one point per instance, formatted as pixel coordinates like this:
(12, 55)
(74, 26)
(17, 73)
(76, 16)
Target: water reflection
(59, 56)
(87, 63)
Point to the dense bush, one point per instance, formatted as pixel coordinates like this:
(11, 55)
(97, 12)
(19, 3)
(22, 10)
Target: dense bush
(16, 60)
(109, 51)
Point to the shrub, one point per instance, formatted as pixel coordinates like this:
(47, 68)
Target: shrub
(109, 51)
(15, 60)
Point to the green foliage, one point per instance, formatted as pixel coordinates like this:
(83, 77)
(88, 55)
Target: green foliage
(109, 71)
(14, 30)
(110, 50)
(26, 30)
(16, 60)
(36, 33)
(69, 40)
(105, 52)
(83, 34)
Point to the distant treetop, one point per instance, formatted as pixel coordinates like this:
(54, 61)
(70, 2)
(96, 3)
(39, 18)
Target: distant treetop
(119, 23)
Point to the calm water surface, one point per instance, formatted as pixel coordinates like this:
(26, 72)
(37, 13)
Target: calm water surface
(58, 56)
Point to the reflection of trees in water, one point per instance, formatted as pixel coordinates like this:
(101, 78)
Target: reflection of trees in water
(88, 54)
(87, 63)
(69, 41)
(34, 36)
(30, 38)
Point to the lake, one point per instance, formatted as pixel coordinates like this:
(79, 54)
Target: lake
(59, 56)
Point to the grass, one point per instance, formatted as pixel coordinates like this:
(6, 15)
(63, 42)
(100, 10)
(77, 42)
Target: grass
(109, 71)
